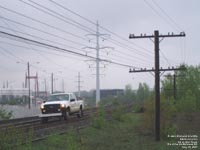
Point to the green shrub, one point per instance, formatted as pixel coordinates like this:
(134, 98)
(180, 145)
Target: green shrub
(118, 112)
(167, 111)
(98, 120)
(187, 104)
(5, 115)
(138, 108)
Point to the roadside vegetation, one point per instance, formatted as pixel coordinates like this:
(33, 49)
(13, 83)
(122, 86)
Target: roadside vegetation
(134, 130)
(5, 115)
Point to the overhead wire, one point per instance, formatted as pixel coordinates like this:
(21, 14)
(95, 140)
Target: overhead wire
(45, 52)
(163, 55)
(43, 23)
(167, 16)
(54, 35)
(127, 55)
(47, 40)
(7, 50)
(39, 31)
(162, 17)
(88, 20)
(58, 16)
(37, 37)
(129, 49)
(29, 46)
(21, 60)
(46, 9)
(11, 54)
(42, 31)
(41, 44)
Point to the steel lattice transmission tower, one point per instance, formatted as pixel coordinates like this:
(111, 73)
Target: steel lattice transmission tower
(98, 35)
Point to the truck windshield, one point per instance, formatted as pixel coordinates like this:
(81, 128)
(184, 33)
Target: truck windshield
(63, 97)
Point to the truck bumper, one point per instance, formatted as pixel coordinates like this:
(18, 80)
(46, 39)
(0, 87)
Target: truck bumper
(50, 115)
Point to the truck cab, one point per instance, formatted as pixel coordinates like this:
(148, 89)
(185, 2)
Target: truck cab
(61, 105)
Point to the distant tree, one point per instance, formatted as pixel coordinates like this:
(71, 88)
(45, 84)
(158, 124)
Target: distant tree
(129, 93)
(187, 88)
(167, 87)
(128, 89)
(143, 92)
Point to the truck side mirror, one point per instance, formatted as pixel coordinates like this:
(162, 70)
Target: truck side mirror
(72, 100)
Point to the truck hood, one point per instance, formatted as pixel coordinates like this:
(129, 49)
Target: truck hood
(66, 103)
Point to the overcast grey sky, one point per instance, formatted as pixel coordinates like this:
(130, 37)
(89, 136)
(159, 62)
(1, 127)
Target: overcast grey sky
(69, 31)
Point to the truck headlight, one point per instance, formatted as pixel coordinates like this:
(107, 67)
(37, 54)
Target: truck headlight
(42, 107)
(62, 105)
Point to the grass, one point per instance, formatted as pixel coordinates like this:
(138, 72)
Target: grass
(115, 135)
(119, 134)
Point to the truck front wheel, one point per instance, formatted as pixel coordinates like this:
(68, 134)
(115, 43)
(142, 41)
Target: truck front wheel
(66, 114)
(80, 114)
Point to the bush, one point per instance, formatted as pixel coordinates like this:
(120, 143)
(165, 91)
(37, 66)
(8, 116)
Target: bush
(118, 112)
(167, 111)
(138, 108)
(187, 104)
(5, 115)
(98, 120)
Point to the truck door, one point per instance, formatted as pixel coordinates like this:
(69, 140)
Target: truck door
(76, 103)
(72, 103)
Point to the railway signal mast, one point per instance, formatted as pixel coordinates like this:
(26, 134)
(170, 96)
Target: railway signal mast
(157, 70)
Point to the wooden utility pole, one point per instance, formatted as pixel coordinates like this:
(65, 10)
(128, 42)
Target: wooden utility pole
(157, 70)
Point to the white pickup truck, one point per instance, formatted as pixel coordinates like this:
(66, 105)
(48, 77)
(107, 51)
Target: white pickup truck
(61, 105)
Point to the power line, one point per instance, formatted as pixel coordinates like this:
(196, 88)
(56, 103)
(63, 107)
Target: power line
(42, 31)
(54, 35)
(34, 42)
(7, 51)
(112, 40)
(59, 16)
(126, 47)
(61, 6)
(54, 13)
(43, 23)
(167, 16)
(40, 51)
(15, 45)
(29, 45)
(114, 59)
(164, 18)
(165, 58)
(88, 20)
(129, 55)
(36, 37)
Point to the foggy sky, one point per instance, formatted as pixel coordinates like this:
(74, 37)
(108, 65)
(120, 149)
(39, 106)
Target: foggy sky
(121, 17)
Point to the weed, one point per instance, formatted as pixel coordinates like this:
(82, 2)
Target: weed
(98, 120)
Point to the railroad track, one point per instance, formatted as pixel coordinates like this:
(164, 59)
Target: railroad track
(31, 121)
(41, 131)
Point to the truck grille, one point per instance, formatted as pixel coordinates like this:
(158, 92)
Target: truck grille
(51, 108)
